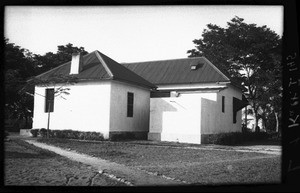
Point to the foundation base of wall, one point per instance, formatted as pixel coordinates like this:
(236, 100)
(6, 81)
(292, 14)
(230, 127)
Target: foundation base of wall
(25, 132)
(175, 137)
(116, 135)
(206, 138)
(154, 136)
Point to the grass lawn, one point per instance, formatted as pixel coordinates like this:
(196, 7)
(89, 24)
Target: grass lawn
(196, 166)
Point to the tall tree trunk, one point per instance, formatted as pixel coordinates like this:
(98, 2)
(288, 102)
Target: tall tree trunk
(263, 120)
(246, 121)
(26, 122)
(263, 125)
(256, 121)
(277, 122)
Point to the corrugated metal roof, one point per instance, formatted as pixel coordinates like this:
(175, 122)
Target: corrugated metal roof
(120, 72)
(96, 65)
(99, 66)
(92, 69)
(178, 71)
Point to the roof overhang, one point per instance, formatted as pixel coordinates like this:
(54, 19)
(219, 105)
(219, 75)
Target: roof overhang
(204, 90)
(136, 83)
(194, 86)
(239, 104)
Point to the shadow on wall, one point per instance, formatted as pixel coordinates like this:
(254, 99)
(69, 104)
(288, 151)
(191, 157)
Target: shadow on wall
(159, 106)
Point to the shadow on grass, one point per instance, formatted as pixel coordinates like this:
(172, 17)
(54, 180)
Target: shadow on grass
(262, 142)
(37, 152)
(20, 155)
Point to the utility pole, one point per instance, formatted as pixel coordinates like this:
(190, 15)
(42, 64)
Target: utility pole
(48, 123)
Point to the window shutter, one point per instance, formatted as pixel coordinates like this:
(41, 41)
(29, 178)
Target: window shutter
(223, 104)
(130, 99)
(49, 100)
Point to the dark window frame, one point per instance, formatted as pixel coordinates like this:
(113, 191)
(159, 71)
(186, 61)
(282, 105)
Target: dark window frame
(223, 104)
(49, 100)
(130, 104)
(234, 118)
(234, 111)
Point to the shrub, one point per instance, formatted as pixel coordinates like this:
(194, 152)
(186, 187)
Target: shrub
(68, 134)
(43, 132)
(81, 135)
(93, 136)
(122, 136)
(61, 134)
(251, 136)
(71, 134)
(34, 132)
(6, 134)
(224, 138)
(87, 135)
(51, 133)
(235, 137)
(54, 134)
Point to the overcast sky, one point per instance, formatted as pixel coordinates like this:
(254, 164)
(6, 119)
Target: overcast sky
(126, 33)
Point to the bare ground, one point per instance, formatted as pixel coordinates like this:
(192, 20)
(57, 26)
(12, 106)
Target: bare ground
(186, 164)
(132, 175)
(193, 165)
(28, 165)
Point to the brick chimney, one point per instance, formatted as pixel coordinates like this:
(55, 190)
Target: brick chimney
(76, 63)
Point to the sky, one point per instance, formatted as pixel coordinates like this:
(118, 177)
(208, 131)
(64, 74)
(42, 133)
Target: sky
(126, 33)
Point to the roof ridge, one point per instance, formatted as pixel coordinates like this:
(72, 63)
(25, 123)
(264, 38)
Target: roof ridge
(102, 61)
(111, 66)
(162, 60)
(216, 68)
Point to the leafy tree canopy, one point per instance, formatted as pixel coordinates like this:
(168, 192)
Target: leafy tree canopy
(17, 68)
(249, 54)
(51, 60)
(21, 65)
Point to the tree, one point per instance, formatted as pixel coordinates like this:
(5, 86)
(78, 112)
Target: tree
(50, 60)
(18, 67)
(21, 65)
(249, 54)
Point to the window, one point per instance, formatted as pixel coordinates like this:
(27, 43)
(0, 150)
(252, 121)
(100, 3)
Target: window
(234, 108)
(223, 104)
(49, 100)
(130, 97)
(234, 117)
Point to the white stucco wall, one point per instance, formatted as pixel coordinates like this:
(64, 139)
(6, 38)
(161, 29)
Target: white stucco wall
(176, 118)
(214, 120)
(186, 117)
(87, 108)
(118, 114)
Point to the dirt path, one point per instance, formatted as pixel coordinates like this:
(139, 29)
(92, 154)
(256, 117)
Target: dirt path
(129, 175)
(255, 149)
(266, 149)
(27, 165)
